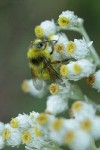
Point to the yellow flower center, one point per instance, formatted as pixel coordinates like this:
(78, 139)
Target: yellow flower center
(91, 79)
(54, 88)
(37, 132)
(25, 86)
(71, 47)
(39, 31)
(86, 125)
(57, 124)
(59, 47)
(64, 71)
(26, 137)
(6, 134)
(63, 21)
(77, 106)
(77, 68)
(69, 137)
(14, 123)
(42, 119)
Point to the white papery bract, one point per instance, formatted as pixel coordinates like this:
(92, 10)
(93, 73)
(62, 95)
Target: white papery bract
(78, 49)
(81, 140)
(45, 29)
(81, 108)
(77, 70)
(59, 48)
(22, 121)
(56, 104)
(14, 138)
(67, 19)
(96, 83)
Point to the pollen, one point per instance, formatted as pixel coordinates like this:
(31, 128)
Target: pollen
(37, 132)
(54, 88)
(77, 68)
(71, 47)
(6, 134)
(69, 137)
(86, 125)
(63, 21)
(42, 119)
(77, 106)
(39, 31)
(25, 86)
(57, 124)
(26, 137)
(90, 80)
(14, 123)
(64, 70)
(59, 48)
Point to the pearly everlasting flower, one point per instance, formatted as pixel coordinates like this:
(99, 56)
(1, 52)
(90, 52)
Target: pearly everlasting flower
(77, 70)
(78, 140)
(45, 29)
(60, 89)
(57, 130)
(22, 121)
(81, 108)
(78, 49)
(15, 138)
(67, 19)
(28, 86)
(96, 128)
(56, 104)
(94, 80)
(61, 39)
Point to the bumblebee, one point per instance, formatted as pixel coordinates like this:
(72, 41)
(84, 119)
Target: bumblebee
(40, 61)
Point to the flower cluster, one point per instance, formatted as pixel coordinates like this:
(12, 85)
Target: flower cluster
(70, 61)
(41, 130)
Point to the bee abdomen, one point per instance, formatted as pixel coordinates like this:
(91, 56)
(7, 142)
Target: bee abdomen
(36, 61)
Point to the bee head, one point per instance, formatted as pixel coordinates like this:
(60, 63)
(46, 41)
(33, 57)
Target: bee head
(38, 44)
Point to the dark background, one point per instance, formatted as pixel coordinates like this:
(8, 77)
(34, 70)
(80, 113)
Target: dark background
(17, 21)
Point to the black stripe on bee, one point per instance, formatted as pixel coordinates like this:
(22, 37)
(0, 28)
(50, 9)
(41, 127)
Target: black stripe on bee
(36, 61)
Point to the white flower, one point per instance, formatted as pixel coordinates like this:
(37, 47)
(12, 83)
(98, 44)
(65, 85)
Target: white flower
(14, 138)
(57, 130)
(46, 28)
(67, 19)
(30, 86)
(77, 70)
(78, 49)
(21, 121)
(81, 108)
(96, 128)
(96, 83)
(81, 141)
(62, 89)
(59, 46)
(56, 104)
(2, 142)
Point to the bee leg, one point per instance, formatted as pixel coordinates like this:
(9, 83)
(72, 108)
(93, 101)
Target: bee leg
(62, 61)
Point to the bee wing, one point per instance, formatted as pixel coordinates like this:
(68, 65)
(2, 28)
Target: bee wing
(52, 72)
(37, 83)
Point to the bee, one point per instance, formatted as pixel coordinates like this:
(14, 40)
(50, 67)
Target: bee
(41, 62)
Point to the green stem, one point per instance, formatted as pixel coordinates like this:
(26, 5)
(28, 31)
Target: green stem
(94, 54)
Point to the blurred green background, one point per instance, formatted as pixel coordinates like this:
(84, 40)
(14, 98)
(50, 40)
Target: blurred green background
(17, 21)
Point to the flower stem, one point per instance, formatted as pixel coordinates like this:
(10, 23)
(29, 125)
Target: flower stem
(94, 54)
